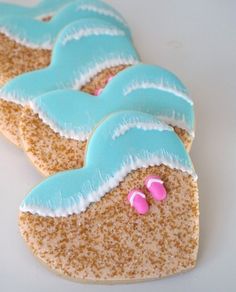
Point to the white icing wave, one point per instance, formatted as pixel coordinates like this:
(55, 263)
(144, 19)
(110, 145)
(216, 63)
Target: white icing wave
(83, 135)
(14, 97)
(126, 126)
(163, 86)
(180, 122)
(110, 183)
(103, 11)
(97, 67)
(85, 32)
(46, 45)
(79, 134)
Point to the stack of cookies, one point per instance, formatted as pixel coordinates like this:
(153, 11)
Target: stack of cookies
(113, 135)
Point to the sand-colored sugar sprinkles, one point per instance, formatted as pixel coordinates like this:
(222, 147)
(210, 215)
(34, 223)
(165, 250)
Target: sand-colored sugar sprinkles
(48, 151)
(110, 242)
(100, 80)
(186, 138)
(47, 18)
(16, 59)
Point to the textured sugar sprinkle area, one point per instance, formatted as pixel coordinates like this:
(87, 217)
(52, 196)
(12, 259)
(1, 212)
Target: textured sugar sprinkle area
(48, 151)
(46, 18)
(10, 113)
(16, 59)
(186, 138)
(110, 242)
(100, 80)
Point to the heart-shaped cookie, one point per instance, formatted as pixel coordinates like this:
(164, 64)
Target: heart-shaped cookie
(80, 222)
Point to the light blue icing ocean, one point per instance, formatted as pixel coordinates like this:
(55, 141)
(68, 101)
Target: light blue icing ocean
(108, 161)
(145, 88)
(44, 7)
(83, 49)
(38, 34)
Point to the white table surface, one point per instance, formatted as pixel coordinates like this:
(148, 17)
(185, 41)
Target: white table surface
(197, 41)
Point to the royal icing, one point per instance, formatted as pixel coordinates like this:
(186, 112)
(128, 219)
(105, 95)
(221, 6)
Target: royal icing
(36, 34)
(74, 114)
(156, 187)
(75, 60)
(43, 9)
(107, 163)
(137, 200)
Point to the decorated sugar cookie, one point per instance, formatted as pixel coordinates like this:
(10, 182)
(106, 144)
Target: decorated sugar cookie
(26, 43)
(103, 222)
(55, 127)
(87, 53)
(44, 10)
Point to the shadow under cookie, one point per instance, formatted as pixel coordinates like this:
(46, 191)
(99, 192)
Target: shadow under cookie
(110, 242)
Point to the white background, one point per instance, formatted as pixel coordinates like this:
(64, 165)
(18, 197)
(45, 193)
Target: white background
(197, 41)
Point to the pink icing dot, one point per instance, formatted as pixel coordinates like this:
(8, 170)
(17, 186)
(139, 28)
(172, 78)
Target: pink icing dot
(137, 200)
(156, 187)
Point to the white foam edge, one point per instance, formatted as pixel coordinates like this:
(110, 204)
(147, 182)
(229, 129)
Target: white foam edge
(109, 184)
(79, 135)
(126, 126)
(160, 85)
(86, 32)
(96, 68)
(83, 135)
(103, 11)
(13, 97)
(46, 45)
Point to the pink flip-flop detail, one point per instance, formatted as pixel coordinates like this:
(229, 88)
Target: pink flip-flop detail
(156, 187)
(137, 200)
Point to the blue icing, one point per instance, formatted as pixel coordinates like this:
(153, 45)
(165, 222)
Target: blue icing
(42, 34)
(105, 157)
(42, 8)
(76, 112)
(73, 61)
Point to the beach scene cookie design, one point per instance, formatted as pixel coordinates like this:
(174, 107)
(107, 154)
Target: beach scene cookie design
(55, 128)
(105, 222)
(44, 10)
(26, 43)
(87, 53)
